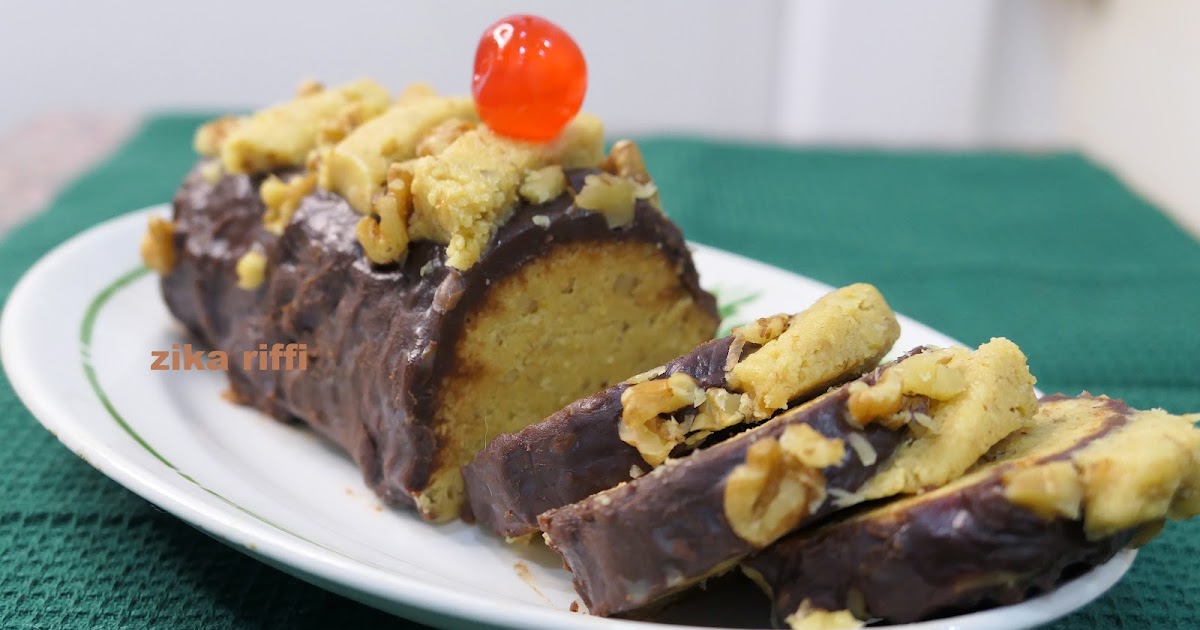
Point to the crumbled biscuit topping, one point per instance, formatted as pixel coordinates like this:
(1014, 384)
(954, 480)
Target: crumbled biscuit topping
(460, 180)
(211, 135)
(283, 135)
(158, 245)
(780, 483)
(847, 330)
(356, 168)
(251, 270)
(1143, 472)
(543, 184)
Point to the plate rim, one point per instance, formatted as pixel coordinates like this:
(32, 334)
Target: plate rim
(323, 566)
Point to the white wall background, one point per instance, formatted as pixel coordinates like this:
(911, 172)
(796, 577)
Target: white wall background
(828, 70)
(1116, 77)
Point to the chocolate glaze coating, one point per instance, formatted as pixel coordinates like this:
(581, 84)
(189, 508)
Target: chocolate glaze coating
(379, 338)
(660, 533)
(945, 554)
(571, 455)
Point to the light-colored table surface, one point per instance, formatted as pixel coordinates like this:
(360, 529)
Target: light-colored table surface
(41, 155)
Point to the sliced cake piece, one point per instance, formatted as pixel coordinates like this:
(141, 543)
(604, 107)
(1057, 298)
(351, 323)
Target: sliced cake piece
(626, 430)
(699, 515)
(1089, 477)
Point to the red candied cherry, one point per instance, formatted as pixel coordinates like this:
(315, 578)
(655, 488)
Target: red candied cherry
(529, 79)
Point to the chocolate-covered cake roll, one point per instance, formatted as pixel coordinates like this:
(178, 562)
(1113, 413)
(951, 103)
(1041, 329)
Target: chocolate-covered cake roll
(607, 438)
(448, 284)
(1090, 477)
(917, 422)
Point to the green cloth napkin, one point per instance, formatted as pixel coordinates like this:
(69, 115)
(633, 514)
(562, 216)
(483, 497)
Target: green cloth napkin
(1100, 290)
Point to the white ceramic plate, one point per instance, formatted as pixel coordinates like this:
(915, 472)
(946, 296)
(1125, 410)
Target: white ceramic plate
(77, 336)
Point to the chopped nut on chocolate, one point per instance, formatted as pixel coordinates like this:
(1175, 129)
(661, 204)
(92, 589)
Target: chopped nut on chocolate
(882, 399)
(721, 409)
(282, 198)
(642, 405)
(251, 270)
(927, 374)
(866, 453)
(609, 195)
(625, 160)
(810, 448)
(541, 221)
(158, 245)
(543, 184)
(647, 375)
(763, 329)
(384, 236)
(736, 347)
(779, 484)
(1049, 490)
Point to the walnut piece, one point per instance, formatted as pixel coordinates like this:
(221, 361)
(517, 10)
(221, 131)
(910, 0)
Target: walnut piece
(1050, 490)
(882, 399)
(647, 375)
(779, 484)
(625, 160)
(611, 196)
(251, 270)
(384, 236)
(158, 245)
(763, 329)
(543, 184)
(642, 405)
(282, 198)
(721, 409)
(927, 374)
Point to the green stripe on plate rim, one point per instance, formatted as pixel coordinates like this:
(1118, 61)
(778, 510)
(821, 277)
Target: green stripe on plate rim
(86, 332)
